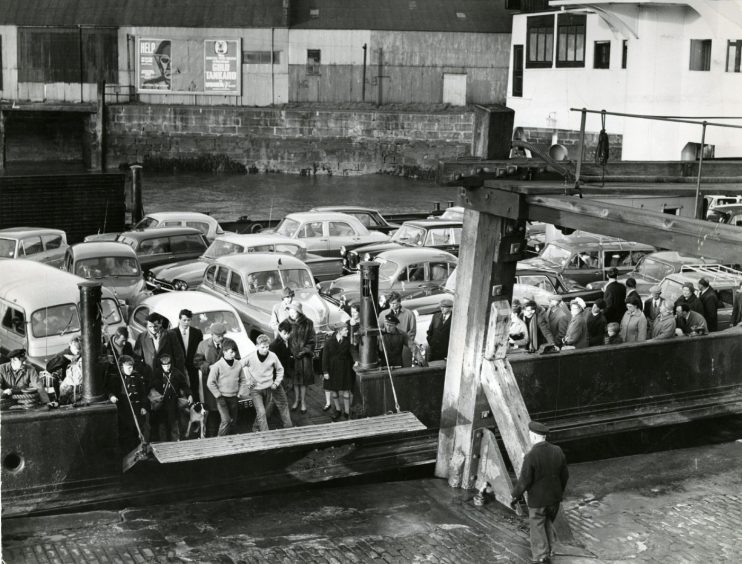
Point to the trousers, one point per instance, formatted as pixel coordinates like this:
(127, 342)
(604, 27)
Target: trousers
(264, 400)
(541, 521)
(228, 413)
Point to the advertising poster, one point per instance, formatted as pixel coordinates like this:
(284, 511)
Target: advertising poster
(222, 66)
(154, 65)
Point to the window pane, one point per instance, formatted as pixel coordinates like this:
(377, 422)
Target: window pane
(52, 241)
(235, 284)
(210, 273)
(549, 45)
(7, 248)
(55, 320)
(186, 244)
(221, 277)
(32, 245)
(15, 321)
(339, 229)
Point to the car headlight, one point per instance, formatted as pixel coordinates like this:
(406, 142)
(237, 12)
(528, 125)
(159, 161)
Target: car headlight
(180, 285)
(366, 257)
(151, 276)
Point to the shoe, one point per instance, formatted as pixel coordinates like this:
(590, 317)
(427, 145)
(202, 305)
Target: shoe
(336, 416)
(326, 407)
(295, 407)
(346, 416)
(303, 410)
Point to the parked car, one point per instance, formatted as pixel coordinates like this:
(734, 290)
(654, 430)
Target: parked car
(436, 233)
(40, 244)
(206, 310)
(406, 271)
(730, 214)
(715, 200)
(723, 279)
(206, 224)
(155, 247)
(369, 217)
(187, 274)
(453, 213)
(652, 268)
(325, 233)
(585, 258)
(114, 264)
(39, 309)
(253, 283)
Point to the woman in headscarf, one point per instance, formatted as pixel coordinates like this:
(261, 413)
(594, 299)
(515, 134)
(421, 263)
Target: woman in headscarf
(576, 335)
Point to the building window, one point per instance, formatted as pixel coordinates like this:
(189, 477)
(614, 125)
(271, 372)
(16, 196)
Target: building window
(260, 57)
(571, 40)
(624, 53)
(700, 54)
(602, 55)
(540, 48)
(313, 60)
(518, 70)
(734, 54)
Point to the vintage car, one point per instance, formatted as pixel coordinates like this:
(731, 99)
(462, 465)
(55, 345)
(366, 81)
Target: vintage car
(723, 279)
(206, 224)
(584, 257)
(713, 201)
(405, 271)
(114, 264)
(39, 309)
(187, 274)
(206, 310)
(253, 283)
(41, 244)
(731, 214)
(436, 233)
(325, 233)
(155, 247)
(369, 217)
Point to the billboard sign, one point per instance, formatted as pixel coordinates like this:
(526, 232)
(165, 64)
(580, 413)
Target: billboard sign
(154, 65)
(222, 66)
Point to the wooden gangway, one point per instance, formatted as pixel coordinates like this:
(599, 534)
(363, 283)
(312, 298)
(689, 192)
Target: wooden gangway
(291, 438)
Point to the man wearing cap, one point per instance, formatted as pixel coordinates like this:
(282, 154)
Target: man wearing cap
(596, 323)
(710, 301)
(209, 351)
(155, 342)
(128, 390)
(653, 304)
(392, 342)
(544, 477)
(17, 374)
(689, 297)
(558, 317)
(281, 310)
(406, 320)
(172, 385)
(225, 380)
(614, 295)
(439, 331)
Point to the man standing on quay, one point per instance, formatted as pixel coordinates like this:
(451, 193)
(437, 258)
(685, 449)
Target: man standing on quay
(544, 476)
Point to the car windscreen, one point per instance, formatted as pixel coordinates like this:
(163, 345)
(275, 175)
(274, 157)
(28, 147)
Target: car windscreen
(555, 254)
(297, 278)
(147, 223)
(653, 269)
(102, 267)
(204, 319)
(223, 248)
(287, 227)
(387, 269)
(109, 311)
(56, 320)
(409, 235)
(7, 248)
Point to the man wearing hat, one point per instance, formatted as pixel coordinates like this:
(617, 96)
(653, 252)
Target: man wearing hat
(544, 477)
(171, 384)
(689, 322)
(439, 331)
(710, 301)
(558, 317)
(653, 304)
(689, 297)
(128, 390)
(406, 320)
(392, 342)
(17, 374)
(614, 295)
(281, 310)
(664, 325)
(209, 351)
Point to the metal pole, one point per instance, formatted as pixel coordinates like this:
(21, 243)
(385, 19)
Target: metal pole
(580, 147)
(696, 211)
(368, 352)
(91, 328)
(100, 126)
(363, 84)
(137, 210)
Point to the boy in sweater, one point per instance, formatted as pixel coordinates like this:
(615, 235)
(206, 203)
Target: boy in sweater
(225, 378)
(264, 380)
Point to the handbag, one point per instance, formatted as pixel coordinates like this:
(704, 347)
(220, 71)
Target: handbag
(155, 399)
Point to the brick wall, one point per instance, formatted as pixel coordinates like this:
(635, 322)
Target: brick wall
(287, 140)
(542, 138)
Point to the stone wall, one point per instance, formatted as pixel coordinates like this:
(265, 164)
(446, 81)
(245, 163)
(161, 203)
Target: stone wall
(293, 140)
(542, 138)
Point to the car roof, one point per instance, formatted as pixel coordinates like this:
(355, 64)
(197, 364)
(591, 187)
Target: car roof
(717, 280)
(24, 231)
(675, 257)
(257, 261)
(343, 209)
(252, 239)
(428, 223)
(727, 207)
(417, 253)
(155, 233)
(329, 216)
(185, 216)
(101, 249)
(170, 303)
(520, 267)
(586, 240)
(37, 283)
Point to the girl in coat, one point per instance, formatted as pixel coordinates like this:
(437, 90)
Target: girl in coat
(301, 344)
(337, 366)
(576, 335)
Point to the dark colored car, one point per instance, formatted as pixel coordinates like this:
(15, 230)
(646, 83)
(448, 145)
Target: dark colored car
(434, 233)
(369, 217)
(155, 247)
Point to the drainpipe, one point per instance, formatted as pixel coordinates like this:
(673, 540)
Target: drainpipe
(698, 210)
(363, 84)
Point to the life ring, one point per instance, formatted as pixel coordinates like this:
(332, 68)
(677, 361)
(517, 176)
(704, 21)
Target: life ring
(257, 228)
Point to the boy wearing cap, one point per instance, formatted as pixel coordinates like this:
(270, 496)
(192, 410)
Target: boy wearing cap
(544, 477)
(172, 384)
(17, 374)
(127, 387)
(209, 351)
(439, 331)
(265, 374)
(614, 295)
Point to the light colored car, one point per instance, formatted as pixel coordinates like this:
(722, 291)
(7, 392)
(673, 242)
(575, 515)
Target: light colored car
(324, 233)
(187, 274)
(114, 264)
(253, 283)
(206, 310)
(40, 244)
(731, 214)
(204, 223)
(369, 217)
(405, 271)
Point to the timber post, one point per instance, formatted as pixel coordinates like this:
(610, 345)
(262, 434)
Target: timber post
(91, 327)
(2, 139)
(100, 127)
(368, 351)
(137, 209)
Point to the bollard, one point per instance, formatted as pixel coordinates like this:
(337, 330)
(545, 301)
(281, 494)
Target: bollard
(91, 329)
(137, 209)
(368, 352)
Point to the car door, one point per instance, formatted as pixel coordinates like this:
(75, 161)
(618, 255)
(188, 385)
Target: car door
(584, 267)
(341, 233)
(13, 326)
(313, 234)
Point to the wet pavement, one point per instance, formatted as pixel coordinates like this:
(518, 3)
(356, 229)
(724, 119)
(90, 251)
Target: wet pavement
(677, 506)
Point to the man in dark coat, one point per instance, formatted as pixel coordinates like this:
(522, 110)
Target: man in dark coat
(652, 305)
(538, 327)
(614, 295)
(188, 338)
(172, 384)
(439, 331)
(689, 297)
(392, 342)
(690, 322)
(596, 323)
(710, 301)
(544, 477)
(155, 342)
(558, 317)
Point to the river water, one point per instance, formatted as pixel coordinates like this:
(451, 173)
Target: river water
(261, 196)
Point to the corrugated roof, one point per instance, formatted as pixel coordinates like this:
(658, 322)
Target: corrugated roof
(473, 16)
(166, 13)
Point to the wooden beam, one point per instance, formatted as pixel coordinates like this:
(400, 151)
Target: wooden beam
(2, 140)
(492, 469)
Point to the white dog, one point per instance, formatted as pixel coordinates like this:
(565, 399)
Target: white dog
(198, 415)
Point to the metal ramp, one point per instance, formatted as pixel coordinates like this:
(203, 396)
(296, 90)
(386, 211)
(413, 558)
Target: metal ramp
(282, 439)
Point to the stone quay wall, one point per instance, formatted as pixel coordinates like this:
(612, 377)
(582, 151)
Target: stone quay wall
(292, 140)
(542, 138)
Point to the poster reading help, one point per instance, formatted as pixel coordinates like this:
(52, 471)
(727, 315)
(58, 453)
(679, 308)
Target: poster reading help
(221, 66)
(154, 64)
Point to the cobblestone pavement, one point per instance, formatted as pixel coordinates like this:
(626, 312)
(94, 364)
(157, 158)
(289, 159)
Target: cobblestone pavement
(679, 506)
